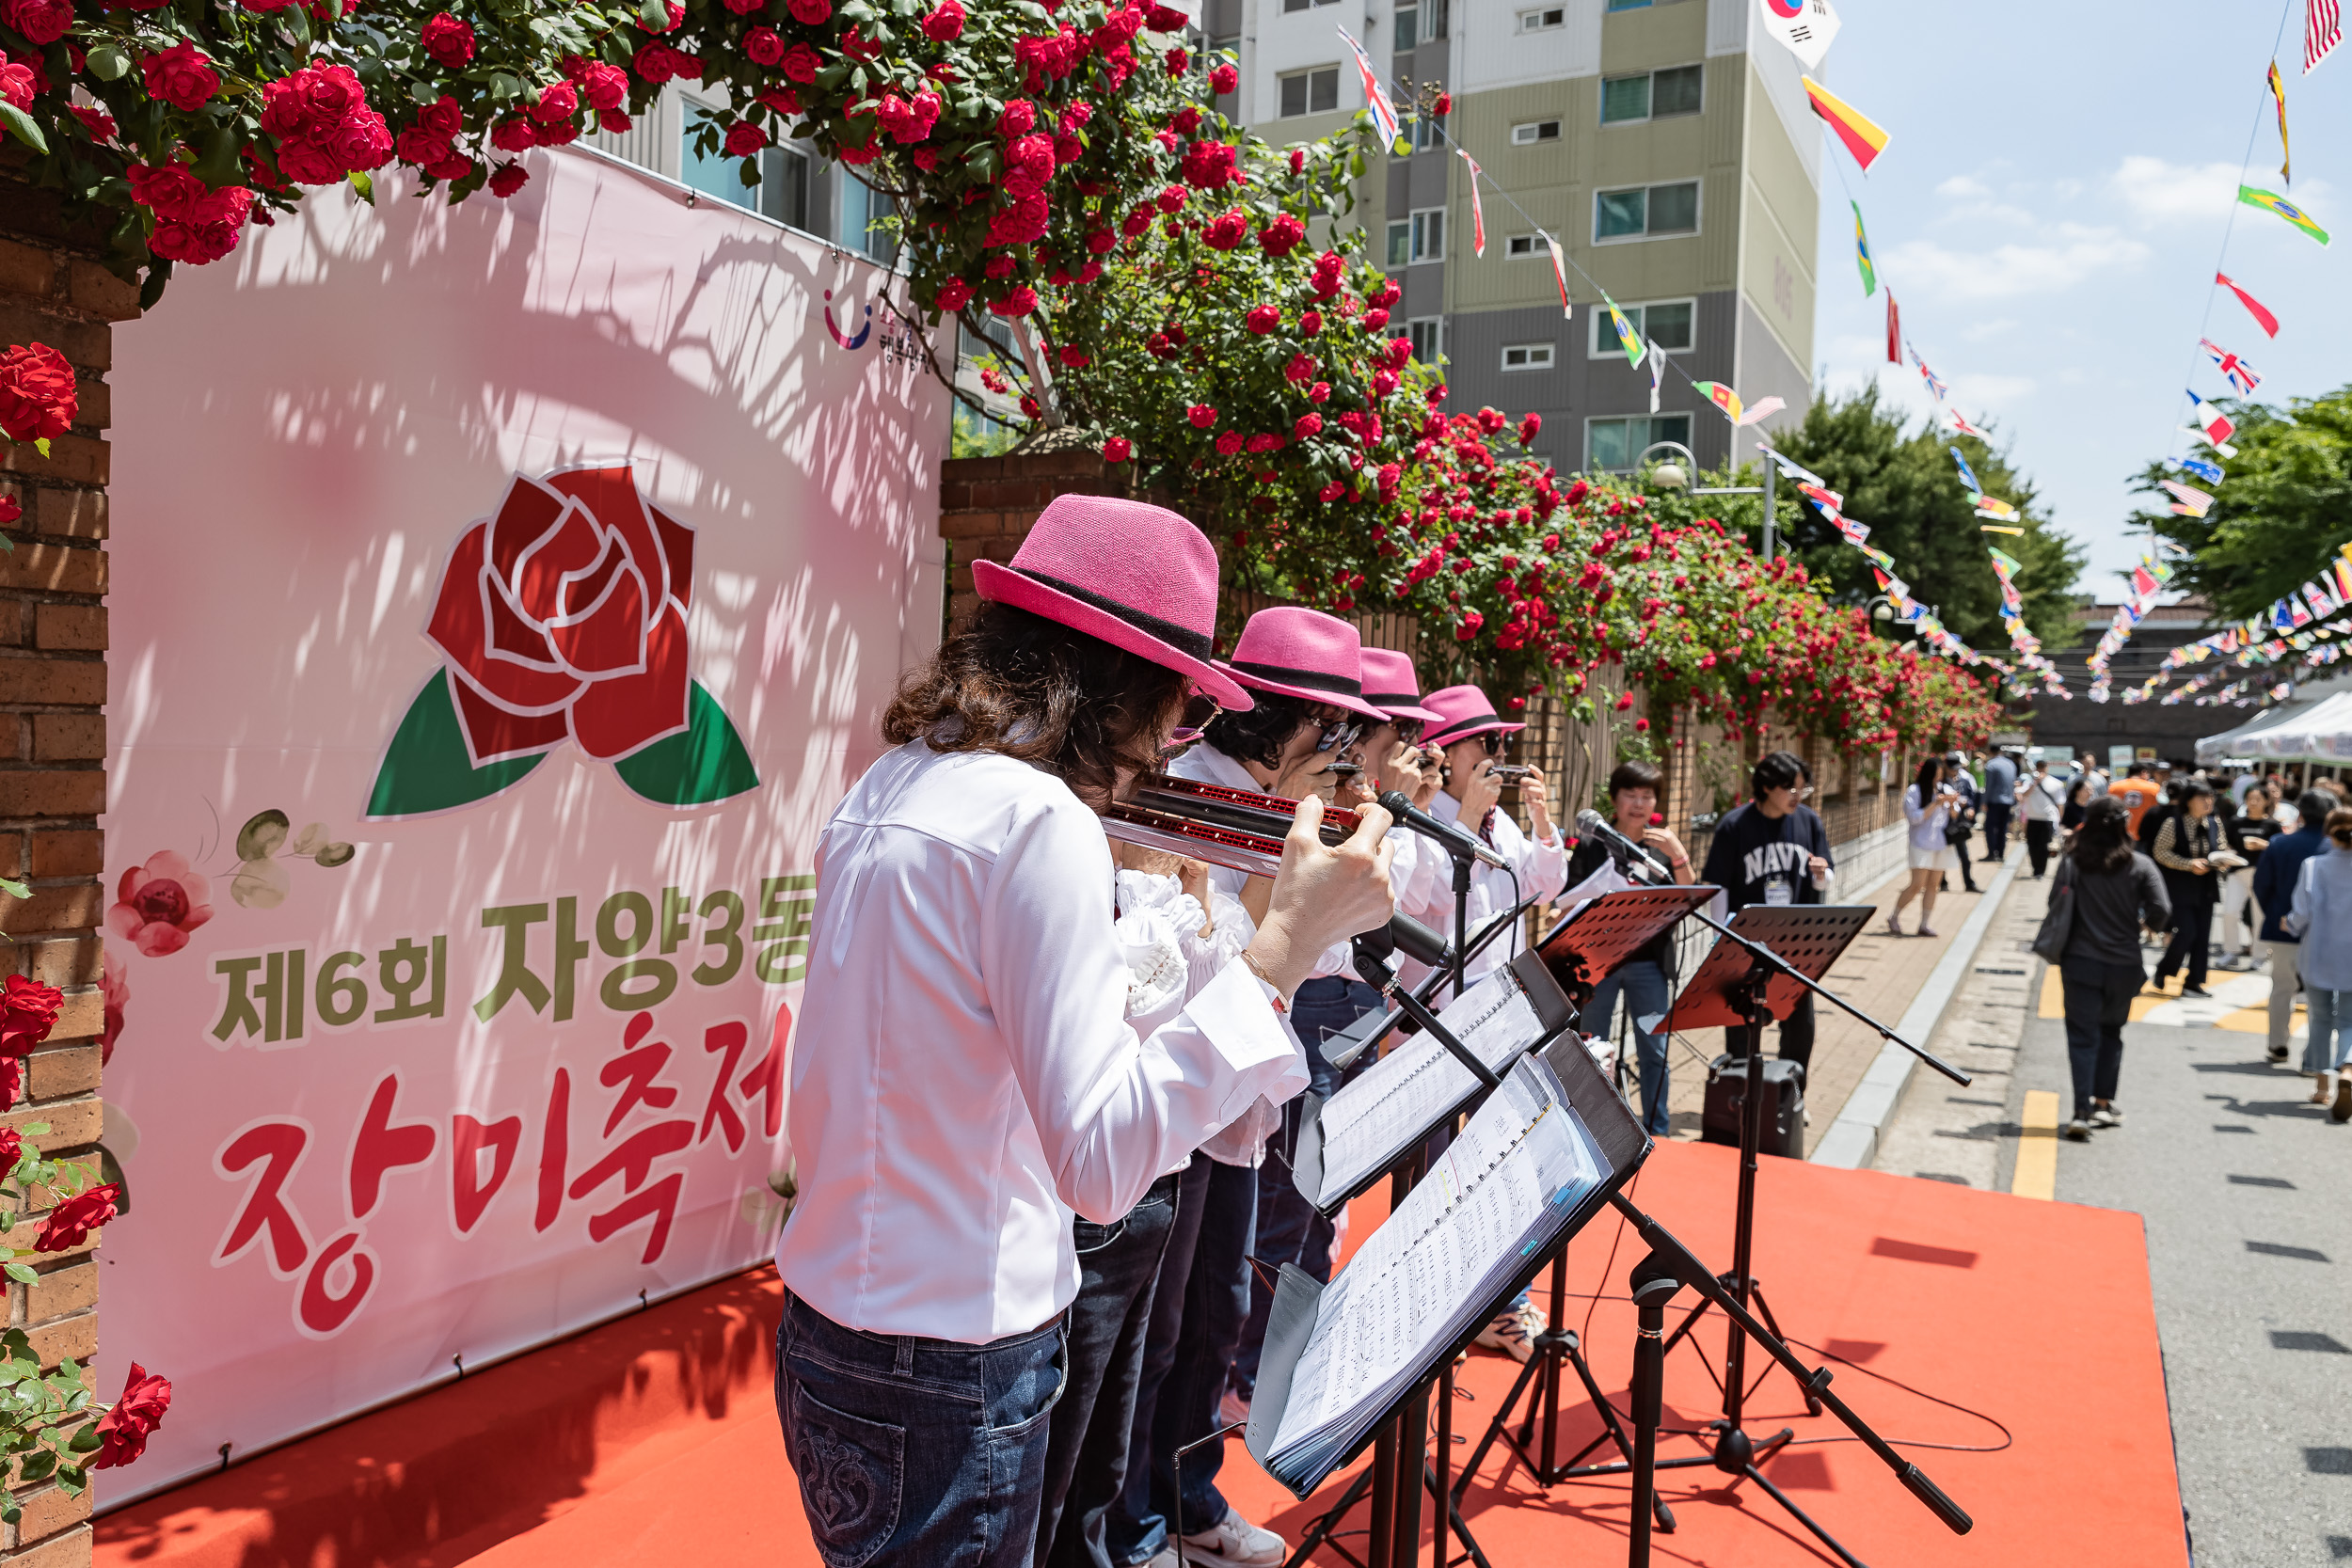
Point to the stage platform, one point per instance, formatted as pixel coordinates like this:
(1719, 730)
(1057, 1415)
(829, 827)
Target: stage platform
(2018, 1334)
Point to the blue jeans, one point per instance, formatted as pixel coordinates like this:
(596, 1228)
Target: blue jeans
(1644, 984)
(1215, 1305)
(1290, 1230)
(913, 1451)
(1086, 1460)
(1135, 1530)
(2330, 1039)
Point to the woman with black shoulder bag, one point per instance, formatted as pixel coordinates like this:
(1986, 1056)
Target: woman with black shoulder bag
(2103, 893)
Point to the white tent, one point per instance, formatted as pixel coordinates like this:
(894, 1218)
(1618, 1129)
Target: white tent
(2235, 742)
(2321, 734)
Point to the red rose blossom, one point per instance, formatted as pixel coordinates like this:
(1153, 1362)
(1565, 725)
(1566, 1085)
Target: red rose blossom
(18, 86)
(1308, 424)
(605, 86)
(1228, 442)
(745, 139)
(37, 400)
(28, 1010)
(800, 64)
(1117, 450)
(945, 22)
(1201, 415)
(12, 1148)
(448, 40)
(1262, 319)
(181, 76)
(1224, 79)
(122, 1431)
(765, 45)
(1019, 303)
(557, 101)
(69, 1225)
(41, 22)
(1228, 231)
(1283, 236)
(954, 294)
(508, 179)
(810, 13)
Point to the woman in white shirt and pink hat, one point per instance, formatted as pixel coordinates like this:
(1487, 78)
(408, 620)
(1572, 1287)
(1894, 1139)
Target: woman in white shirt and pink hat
(965, 1079)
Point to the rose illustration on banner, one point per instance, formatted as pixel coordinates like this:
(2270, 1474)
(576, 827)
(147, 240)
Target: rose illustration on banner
(158, 904)
(563, 619)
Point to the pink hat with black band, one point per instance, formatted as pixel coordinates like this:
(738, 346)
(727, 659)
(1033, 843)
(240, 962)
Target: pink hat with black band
(1391, 685)
(1305, 654)
(1462, 712)
(1135, 576)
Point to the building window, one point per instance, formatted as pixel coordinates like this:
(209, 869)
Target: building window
(1521, 247)
(1652, 95)
(863, 211)
(1613, 446)
(1418, 238)
(1310, 93)
(1543, 21)
(1534, 130)
(1628, 4)
(1646, 212)
(1527, 356)
(1665, 323)
(1425, 135)
(1408, 28)
(1428, 336)
(1302, 4)
(782, 193)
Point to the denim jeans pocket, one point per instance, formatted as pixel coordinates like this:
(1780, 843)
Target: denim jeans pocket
(1087, 1236)
(853, 1474)
(1028, 1419)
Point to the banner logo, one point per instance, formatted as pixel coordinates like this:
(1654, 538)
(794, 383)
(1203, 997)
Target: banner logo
(563, 620)
(843, 339)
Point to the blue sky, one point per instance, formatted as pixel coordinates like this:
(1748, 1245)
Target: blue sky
(2050, 210)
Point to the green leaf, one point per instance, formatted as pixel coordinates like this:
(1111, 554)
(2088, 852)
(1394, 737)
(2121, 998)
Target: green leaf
(654, 14)
(424, 92)
(365, 187)
(85, 1438)
(107, 62)
(26, 130)
(15, 889)
(426, 769)
(704, 763)
(22, 1273)
(37, 1465)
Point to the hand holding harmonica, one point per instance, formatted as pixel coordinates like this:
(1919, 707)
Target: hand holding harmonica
(1323, 894)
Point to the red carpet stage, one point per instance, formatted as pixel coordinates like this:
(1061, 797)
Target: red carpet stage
(654, 1440)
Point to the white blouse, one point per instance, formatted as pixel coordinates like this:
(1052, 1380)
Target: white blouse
(964, 1075)
(1542, 865)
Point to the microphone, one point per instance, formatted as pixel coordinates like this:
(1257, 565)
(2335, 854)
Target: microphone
(1456, 841)
(1592, 824)
(1406, 935)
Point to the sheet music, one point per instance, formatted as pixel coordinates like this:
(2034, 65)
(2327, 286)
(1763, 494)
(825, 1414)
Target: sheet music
(1371, 1118)
(1459, 1232)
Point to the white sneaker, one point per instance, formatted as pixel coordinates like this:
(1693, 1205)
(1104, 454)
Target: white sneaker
(2106, 1115)
(1231, 1409)
(1507, 1332)
(1531, 1317)
(1235, 1543)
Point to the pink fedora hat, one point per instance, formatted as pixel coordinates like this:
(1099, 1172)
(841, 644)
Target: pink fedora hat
(1305, 654)
(1462, 711)
(1137, 577)
(1390, 685)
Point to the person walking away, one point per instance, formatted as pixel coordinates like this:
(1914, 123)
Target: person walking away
(2275, 877)
(1644, 980)
(2113, 889)
(1928, 804)
(2137, 792)
(2186, 848)
(2244, 834)
(2043, 799)
(1961, 824)
(1773, 849)
(2001, 801)
(2321, 920)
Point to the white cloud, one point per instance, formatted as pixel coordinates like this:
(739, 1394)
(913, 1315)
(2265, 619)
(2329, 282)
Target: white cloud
(1996, 327)
(2070, 254)
(1964, 187)
(2157, 192)
(1992, 390)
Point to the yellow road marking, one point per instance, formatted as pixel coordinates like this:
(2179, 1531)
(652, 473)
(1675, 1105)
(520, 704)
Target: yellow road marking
(2053, 995)
(2037, 1147)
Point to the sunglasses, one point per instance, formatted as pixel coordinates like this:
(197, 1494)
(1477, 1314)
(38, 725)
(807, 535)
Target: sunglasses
(1200, 709)
(1496, 742)
(1339, 734)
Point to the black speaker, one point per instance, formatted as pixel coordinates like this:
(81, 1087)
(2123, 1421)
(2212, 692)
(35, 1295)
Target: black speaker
(1784, 1104)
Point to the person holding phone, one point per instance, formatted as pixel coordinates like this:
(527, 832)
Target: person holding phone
(1929, 804)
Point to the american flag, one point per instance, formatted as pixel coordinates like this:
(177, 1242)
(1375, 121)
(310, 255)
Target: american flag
(2239, 374)
(2323, 29)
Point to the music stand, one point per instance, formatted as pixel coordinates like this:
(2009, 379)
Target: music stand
(1595, 941)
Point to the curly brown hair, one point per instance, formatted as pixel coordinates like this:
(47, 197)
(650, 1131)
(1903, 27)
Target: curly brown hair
(1025, 687)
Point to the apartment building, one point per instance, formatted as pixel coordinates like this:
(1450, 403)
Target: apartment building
(1666, 144)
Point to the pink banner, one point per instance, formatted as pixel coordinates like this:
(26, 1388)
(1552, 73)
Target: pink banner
(502, 596)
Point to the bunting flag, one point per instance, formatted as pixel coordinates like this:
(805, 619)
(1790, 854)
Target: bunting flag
(1961, 424)
(1967, 475)
(1936, 387)
(1720, 396)
(1804, 28)
(1560, 275)
(2340, 578)
(2215, 424)
(1997, 528)
(2240, 374)
(1626, 337)
(2323, 29)
(1863, 138)
(2271, 202)
(1862, 254)
(2193, 501)
(2209, 473)
(2222, 448)
(1478, 213)
(2286, 158)
(1763, 409)
(2263, 318)
(1893, 330)
(2317, 598)
(1384, 118)
(1993, 507)
(1657, 372)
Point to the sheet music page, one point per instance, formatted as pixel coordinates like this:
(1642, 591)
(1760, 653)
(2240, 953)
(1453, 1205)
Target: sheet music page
(1409, 1283)
(1412, 1086)
(1606, 878)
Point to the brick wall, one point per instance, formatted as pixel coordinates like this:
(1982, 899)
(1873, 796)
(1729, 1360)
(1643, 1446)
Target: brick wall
(986, 505)
(52, 781)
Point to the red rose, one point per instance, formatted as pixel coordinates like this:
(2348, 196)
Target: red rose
(1262, 319)
(605, 86)
(69, 1225)
(557, 101)
(443, 118)
(1308, 424)
(122, 1431)
(746, 7)
(1166, 18)
(1201, 415)
(1228, 442)
(1529, 426)
(1298, 160)
(765, 45)
(1178, 62)
(745, 139)
(1319, 392)
(954, 294)
(18, 86)
(1208, 165)
(181, 76)
(41, 22)
(800, 64)
(11, 1149)
(1445, 104)
(38, 398)
(1224, 79)
(1375, 320)
(1283, 236)
(1172, 197)
(810, 13)
(945, 24)
(583, 589)
(28, 1010)
(512, 135)
(1019, 303)
(1228, 231)
(1117, 450)
(1332, 491)
(448, 40)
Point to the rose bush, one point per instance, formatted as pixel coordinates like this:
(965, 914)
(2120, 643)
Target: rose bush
(37, 396)
(563, 616)
(156, 904)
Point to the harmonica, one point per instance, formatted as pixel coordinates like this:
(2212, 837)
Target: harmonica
(1232, 828)
(1345, 769)
(1510, 772)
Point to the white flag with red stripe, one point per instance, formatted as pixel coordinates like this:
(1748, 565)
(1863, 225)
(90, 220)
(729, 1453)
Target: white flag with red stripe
(1478, 213)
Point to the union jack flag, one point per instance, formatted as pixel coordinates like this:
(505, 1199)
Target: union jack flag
(2239, 374)
(1376, 97)
(1935, 386)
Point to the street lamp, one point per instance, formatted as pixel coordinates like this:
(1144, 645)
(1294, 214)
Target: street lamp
(1671, 476)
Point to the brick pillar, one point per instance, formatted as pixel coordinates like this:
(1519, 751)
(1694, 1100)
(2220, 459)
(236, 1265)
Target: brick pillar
(986, 505)
(53, 780)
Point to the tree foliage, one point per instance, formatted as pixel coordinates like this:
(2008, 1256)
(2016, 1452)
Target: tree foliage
(2282, 513)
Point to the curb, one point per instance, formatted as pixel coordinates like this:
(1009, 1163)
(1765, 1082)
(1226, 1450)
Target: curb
(1851, 1142)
